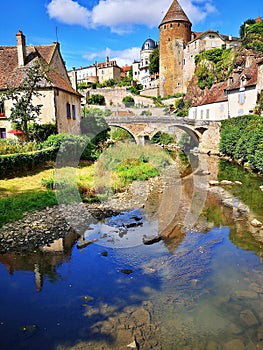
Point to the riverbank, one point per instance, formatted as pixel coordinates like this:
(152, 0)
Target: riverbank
(41, 228)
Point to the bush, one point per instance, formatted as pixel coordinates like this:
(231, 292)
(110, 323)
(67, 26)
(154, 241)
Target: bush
(128, 101)
(40, 132)
(241, 138)
(13, 163)
(96, 99)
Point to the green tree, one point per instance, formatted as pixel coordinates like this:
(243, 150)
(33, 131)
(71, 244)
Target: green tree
(154, 61)
(96, 99)
(24, 110)
(94, 125)
(242, 30)
(253, 37)
(128, 101)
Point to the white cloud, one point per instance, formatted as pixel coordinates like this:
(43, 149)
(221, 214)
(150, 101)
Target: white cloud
(122, 57)
(121, 15)
(69, 12)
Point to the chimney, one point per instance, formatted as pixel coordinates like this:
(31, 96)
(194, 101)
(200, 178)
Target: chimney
(74, 81)
(21, 48)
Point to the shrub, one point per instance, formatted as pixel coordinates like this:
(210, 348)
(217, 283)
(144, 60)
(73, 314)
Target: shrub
(128, 101)
(96, 99)
(241, 138)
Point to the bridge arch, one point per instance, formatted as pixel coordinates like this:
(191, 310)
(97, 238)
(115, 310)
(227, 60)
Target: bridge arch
(204, 134)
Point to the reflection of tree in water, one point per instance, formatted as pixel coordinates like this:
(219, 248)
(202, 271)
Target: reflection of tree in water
(43, 262)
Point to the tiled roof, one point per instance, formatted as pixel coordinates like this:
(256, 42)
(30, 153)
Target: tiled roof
(215, 94)
(199, 35)
(12, 75)
(175, 13)
(250, 74)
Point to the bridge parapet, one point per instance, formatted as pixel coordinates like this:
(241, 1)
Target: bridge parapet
(163, 119)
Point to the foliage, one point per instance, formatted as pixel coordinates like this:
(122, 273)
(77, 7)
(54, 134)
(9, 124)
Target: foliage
(84, 85)
(154, 61)
(259, 106)
(182, 107)
(162, 138)
(242, 30)
(94, 125)
(13, 208)
(96, 99)
(21, 162)
(242, 139)
(253, 37)
(128, 101)
(40, 132)
(136, 89)
(135, 169)
(24, 110)
(13, 146)
(147, 113)
(213, 66)
(118, 134)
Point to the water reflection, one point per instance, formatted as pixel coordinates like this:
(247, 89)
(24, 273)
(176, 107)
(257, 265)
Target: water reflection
(195, 289)
(43, 261)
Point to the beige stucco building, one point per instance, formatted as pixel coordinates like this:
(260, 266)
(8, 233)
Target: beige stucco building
(60, 101)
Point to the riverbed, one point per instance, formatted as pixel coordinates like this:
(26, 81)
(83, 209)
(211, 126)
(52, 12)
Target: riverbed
(141, 276)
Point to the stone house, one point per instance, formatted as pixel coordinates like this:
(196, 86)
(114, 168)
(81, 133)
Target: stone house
(242, 90)
(213, 106)
(61, 102)
(179, 46)
(108, 70)
(235, 97)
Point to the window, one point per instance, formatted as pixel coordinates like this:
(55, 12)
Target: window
(2, 110)
(68, 110)
(171, 25)
(241, 97)
(164, 27)
(202, 114)
(73, 111)
(179, 25)
(207, 114)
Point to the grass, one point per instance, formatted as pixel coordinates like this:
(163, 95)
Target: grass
(115, 169)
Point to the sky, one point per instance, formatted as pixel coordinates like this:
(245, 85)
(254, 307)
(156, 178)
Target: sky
(90, 30)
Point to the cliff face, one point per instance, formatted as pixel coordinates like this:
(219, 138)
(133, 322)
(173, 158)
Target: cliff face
(244, 62)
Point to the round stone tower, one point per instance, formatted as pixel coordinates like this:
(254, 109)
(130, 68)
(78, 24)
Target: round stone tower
(175, 33)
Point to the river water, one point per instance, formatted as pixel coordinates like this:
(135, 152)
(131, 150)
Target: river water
(201, 289)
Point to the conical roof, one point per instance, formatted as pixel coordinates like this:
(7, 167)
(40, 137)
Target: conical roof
(175, 13)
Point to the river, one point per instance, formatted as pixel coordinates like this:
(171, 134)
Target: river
(198, 287)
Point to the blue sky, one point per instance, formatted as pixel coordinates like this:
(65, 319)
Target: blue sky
(90, 30)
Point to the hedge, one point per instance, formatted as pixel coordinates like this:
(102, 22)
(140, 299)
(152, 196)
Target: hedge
(15, 163)
(242, 140)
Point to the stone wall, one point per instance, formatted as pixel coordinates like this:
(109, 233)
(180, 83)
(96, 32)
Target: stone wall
(113, 96)
(210, 139)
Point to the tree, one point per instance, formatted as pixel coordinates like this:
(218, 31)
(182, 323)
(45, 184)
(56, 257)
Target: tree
(253, 37)
(96, 99)
(128, 101)
(154, 61)
(242, 30)
(94, 125)
(24, 110)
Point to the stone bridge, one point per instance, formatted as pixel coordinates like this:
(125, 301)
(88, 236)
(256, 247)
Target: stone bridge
(204, 133)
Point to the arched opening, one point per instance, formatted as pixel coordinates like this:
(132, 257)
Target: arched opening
(118, 133)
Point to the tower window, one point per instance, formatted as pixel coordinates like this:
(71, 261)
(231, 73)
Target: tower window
(164, 27)
(169, 39)
(179, 25)
(171, 25)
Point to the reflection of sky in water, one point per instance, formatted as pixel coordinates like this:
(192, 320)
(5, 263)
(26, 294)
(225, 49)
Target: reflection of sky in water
(122, 231)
